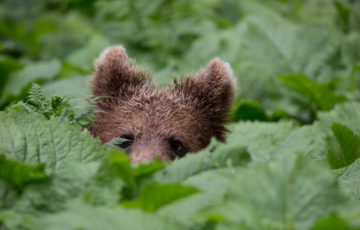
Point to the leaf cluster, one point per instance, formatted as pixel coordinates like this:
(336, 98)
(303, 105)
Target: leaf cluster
(269, 175)
(57, 106)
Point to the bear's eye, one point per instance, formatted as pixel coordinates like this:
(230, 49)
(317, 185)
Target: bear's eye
(178, 148)
(126, 141)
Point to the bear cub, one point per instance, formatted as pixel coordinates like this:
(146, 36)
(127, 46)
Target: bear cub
(167, 122)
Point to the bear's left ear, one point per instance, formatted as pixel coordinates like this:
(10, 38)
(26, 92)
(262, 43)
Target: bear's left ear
(116, 75)
(214, 87)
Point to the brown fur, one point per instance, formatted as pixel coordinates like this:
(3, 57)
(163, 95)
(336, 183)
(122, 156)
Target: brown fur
(190, 112)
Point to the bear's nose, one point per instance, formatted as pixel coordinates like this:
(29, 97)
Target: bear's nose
(147, 151)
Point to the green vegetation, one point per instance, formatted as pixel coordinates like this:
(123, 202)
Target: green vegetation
(291, 161)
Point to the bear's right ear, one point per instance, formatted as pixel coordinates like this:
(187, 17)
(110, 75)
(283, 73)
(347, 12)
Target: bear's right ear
(116, 75)
(214, 90)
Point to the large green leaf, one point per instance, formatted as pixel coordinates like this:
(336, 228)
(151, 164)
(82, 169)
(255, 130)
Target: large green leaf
(75, 87)
(18, 173)
(311, 140)
(260, 138)
(51, 195)
(145, 169)
(306, 141)
(42, 70)
(7, 65)
(273, 47)
(32, 140)
(154, 195)
(83, 58)
(216, 155)
(81, 216)
(95, 183)
(213, 185)
(249, 110)
(319, 93)
(333, 222)
(346, 114)
(290, 192)
(344, 148)
(120, 163)
(350, 180)
(105, 186)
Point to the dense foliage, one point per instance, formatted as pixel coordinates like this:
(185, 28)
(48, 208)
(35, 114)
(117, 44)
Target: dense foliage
(290, 162)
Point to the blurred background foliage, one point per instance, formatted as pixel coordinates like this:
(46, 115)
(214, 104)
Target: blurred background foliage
(292, 58)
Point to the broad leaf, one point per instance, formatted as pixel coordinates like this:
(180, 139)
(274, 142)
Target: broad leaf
(321, 94)
(272, 46)
(145, 169)
(344, 148)
(81, 216)
(104, 188)
(83, 58)
(345, 113)
(260, 138)
(45, 70)
(333, 222)
(120, 163)
(290, 192)
(306, 141)
(73, 87)
(350, 180)
(20, 174)
(7, 66)
(213, 186)
(214, 156)
(153, 195)
(50, 195)
(32, 139)
(249, 110)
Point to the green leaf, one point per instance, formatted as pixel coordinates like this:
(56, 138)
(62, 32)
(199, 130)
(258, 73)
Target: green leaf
(332, 222)
(340, 171)
(73, 87)
(145, 169)
(260, 138)
(350, 180)
(120, 163)
(311, 141)
(113, 143)
(345, 113)
(42, 70)
(51, 195)
(83, 58)
(344, 149)
(20, 174)
(7, 66)
(306, 141)
(249, 110)
(213, 185)
(279, 114)
(15, 220)
(154, 195)
(319, 93)
(32, 139)
(214, 156)
(82, 216)
(290, 192)
(104, 187)
(273, 46)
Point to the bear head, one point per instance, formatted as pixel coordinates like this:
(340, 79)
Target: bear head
(167, 122)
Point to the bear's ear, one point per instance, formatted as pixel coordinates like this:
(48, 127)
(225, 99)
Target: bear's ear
(213, 90)
(116, 75)
(214, 86)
